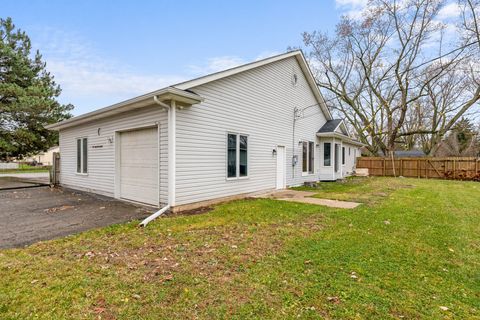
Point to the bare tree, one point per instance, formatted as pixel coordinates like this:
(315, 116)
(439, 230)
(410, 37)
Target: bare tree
(381, 69)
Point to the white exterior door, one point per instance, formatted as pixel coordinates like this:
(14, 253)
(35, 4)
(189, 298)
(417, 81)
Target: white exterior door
(139, 166)
(281, 168)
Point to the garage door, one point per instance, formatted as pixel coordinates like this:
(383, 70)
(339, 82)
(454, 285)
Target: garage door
(139, 166)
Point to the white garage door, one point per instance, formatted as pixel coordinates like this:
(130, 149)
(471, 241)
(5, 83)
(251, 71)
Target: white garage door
(139, 166)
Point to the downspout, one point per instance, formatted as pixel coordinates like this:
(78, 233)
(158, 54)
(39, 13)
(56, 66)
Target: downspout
(171, 119)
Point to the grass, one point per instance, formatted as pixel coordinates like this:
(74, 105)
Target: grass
(411, 252)
(24, 168)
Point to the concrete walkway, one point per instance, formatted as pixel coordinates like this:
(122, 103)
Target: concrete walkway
(306, 197)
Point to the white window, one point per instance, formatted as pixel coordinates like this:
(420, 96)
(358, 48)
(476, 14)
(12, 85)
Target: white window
(327, 154)
(308, 154)
(237, 156)
(82, 155)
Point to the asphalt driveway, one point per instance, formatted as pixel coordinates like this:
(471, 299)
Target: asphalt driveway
(33, 214)
(19, 180)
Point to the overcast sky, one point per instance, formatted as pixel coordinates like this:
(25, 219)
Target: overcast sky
(102, 52)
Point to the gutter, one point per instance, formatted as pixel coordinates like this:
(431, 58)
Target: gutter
(172, 138)
(341, 137)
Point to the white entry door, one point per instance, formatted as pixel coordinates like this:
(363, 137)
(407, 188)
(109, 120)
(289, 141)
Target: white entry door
(281, 168)
(139, 166)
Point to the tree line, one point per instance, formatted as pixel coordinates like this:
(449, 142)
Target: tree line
(400, 75)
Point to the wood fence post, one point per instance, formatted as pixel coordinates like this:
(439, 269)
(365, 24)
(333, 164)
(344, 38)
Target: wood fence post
(418, 168)
(426, 170)
(454, 168)
(384, 169)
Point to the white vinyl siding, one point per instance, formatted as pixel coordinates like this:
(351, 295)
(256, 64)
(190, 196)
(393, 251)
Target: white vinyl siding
(259, 102)
(101, 156)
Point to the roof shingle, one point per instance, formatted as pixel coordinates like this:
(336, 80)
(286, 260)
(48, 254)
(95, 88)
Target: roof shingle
(330, 126)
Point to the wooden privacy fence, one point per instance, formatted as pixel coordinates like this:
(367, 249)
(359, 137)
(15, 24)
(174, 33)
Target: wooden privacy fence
(440, 168)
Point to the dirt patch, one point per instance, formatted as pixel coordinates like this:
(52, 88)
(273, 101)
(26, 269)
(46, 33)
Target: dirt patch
(55, 209)
(190, 212)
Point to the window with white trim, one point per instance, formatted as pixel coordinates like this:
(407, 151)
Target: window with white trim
(327, 154)
(237, 156)
(343, 155)
(308, 159)
(82, 155)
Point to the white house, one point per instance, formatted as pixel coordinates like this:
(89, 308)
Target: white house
(259, 126)
(45, 158)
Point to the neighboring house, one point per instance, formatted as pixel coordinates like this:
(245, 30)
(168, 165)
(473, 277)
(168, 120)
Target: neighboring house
(409, 154)
(256, 127)
(405, 154)
(45, 158)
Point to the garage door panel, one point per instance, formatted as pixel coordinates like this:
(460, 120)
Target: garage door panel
(139, 165)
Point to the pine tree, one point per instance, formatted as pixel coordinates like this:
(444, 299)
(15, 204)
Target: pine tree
(28, 95)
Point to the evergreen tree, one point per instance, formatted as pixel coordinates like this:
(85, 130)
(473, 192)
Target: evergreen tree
(28, 95)
(465, 134)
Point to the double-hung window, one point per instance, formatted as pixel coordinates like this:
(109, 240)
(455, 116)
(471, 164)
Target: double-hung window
(327, 154)
(237, 156)
(82, 155)
(343, 155)
(308, 158)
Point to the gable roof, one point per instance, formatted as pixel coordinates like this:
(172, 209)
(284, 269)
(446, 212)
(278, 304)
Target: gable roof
(182, 90)
(330, 125)
(334, 125)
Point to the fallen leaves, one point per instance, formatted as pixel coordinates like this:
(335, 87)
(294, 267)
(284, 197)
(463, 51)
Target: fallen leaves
(89, 254)
(334, 300)
(56, 209)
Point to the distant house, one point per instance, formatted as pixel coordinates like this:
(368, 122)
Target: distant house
(409, 154)
(256, 127)
(44, 158)
(404, 154)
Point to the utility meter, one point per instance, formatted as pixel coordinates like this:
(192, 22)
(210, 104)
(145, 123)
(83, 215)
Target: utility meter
(294, 160)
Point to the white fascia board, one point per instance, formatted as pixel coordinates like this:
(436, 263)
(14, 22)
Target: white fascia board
(232, 71)
(340, 136)
(342, 123)
(164, 94)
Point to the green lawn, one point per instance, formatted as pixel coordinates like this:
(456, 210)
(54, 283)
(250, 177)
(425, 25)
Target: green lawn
(412, 252)
(23, 168)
